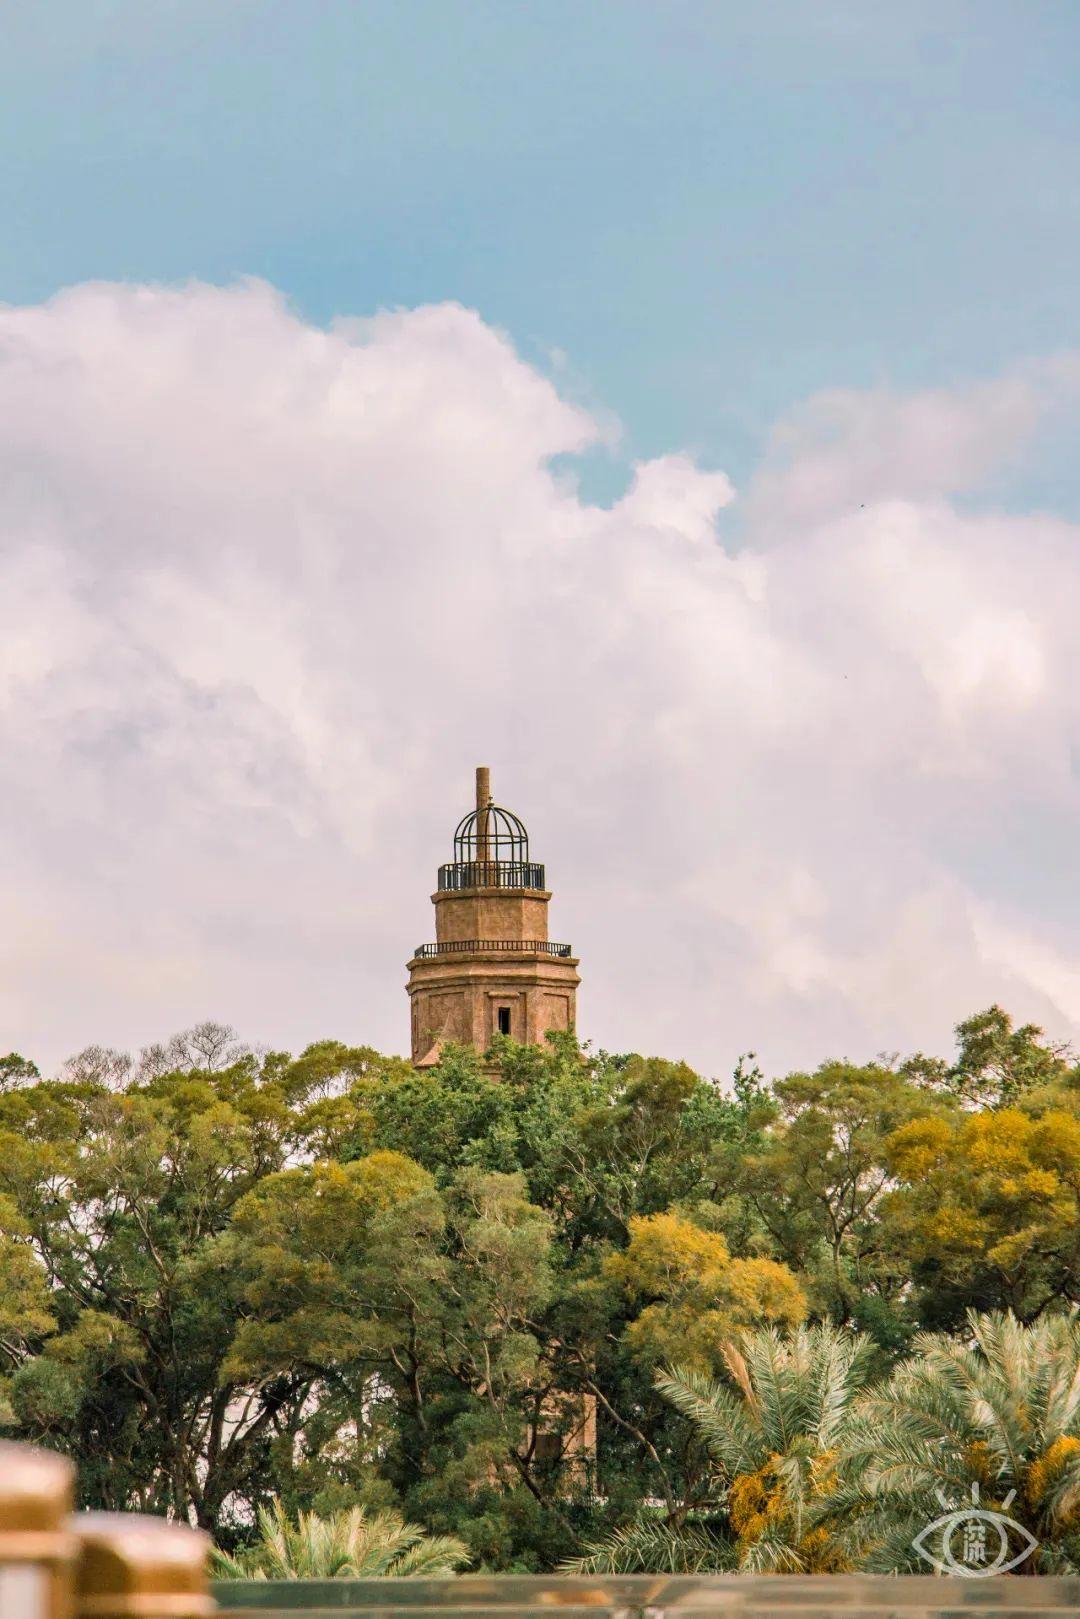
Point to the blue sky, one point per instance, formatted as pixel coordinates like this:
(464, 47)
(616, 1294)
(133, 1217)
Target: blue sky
(698, 212)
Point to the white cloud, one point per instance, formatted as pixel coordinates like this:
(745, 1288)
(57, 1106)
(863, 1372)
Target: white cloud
(845, 449)
(670, 495)
(268, 592)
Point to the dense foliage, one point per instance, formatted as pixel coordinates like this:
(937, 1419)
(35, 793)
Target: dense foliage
(233, 1281)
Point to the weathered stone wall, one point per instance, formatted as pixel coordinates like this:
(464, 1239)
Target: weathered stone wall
(457, 997)
(491, 914)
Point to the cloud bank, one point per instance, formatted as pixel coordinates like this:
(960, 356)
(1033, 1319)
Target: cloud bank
(802, 762)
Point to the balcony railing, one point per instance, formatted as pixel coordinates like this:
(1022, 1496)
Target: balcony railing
(491, 874)
(520, 947)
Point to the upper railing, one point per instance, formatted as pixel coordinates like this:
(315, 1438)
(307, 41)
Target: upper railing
(521, 947)
(491, 874)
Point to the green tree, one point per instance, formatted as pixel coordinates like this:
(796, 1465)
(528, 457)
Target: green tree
(26, 1308)
(117, 1194)
(368, 1278)
(996, 1064)
(816, 1181)
(15, 1071)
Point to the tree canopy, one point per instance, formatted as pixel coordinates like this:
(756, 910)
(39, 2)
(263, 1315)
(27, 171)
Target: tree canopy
(234, 1280)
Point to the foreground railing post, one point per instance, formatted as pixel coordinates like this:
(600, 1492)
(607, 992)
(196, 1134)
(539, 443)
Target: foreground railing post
(36, 1546)
(134, 1567)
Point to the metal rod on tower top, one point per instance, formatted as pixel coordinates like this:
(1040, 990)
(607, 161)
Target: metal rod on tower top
(483, 799)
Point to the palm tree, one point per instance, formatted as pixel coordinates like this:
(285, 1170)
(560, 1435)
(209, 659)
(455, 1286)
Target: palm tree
(650, 1544)
(348, 1545)
(772, 1434)
(993, 1422)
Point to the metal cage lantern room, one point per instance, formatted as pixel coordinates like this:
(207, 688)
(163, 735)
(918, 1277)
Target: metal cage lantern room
(491, 833)
(491, 847)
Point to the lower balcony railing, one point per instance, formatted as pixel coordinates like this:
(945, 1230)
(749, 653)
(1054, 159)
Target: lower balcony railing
(520, 947)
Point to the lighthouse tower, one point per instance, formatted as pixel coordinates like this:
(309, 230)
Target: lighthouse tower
(492, 968)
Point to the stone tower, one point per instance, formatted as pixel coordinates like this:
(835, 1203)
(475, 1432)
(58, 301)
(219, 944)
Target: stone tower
(492, 969)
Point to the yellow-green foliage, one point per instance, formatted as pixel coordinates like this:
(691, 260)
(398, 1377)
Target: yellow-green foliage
(994, 1191)
(25, 1305)
(699, 1294)
(760, 1507)
(1047, 1472)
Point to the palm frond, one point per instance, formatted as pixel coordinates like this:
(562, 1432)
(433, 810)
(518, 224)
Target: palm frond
(729, 1430)
(432, 1557)
(650, 1545)
(352, 1544)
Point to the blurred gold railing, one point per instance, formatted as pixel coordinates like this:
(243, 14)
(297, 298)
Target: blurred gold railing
(56, 1564)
